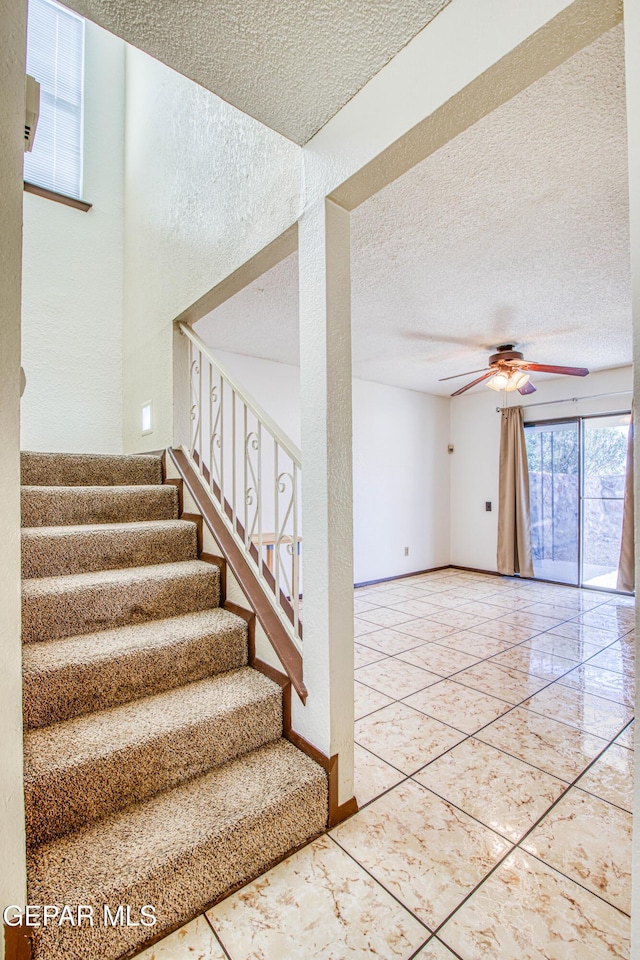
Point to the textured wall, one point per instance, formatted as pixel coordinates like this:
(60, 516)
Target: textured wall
(205, 188)
(13, 14)
(73, 282)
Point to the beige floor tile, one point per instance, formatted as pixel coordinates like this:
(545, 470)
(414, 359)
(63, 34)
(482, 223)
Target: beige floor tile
(619, 657)
(502, 682)
(372, 776)
(483, 608)
(531, 621)
(395, 678)
(405, 738)
(435, 950)
(423, 850)
(509, 633)
(626, 738)
(589, 841)
(316, 904)
(611, 777)
(456, 618)
(363, 655)
(361, 606)
(527, 911)
(506, 601)
(368, 700)
(384, 617)
(538, 663)
(475, 644)
(416, 608)
(426, 630)
(563, 609)
(195, 941)
(499, 790)
(572, 649)
(438, 659)
(390, 641)
(452, 599)
(603, 718)
(559, 749)
(618, 619)
(602, 683)
(459, 706)
(361, 627)
(596, 636)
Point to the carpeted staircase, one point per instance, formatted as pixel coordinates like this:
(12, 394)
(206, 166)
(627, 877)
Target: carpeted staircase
(155, 767)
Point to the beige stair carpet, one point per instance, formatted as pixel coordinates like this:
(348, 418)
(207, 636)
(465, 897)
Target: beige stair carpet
(61, 551)
(155, 768)
(76, 675)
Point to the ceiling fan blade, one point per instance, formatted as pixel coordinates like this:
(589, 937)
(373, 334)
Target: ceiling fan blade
(485, 376)
(467, 374)
(528, 388)
(546, 368)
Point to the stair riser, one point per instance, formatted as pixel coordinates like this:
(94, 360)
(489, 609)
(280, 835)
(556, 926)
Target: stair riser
(61, 506)
(57, 555)
(79, 689)
(68, 470)
(88, 609)
(61, 801)
(187, 883)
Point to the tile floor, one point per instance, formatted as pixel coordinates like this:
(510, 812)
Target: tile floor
(494, 777)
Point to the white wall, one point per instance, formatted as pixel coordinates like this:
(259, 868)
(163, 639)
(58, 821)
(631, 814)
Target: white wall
(13, 17)
(475, 433)
(400, 465)
(73, 281)
(206, 187)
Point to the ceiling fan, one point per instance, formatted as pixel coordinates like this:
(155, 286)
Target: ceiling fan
(508, 370)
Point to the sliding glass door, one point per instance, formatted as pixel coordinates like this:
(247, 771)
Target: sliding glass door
(576, 478)
(553, 452)
(604, 458)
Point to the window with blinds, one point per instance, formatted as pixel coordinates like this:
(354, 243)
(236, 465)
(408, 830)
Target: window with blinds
(55, 57)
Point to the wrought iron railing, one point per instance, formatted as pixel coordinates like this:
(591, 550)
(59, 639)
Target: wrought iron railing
(253, 474)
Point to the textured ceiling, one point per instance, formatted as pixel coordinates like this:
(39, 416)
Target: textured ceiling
(516, 231)
(290, 63)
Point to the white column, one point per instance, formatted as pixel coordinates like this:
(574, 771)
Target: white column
(632, 70)
(327, 502)
(13, 14)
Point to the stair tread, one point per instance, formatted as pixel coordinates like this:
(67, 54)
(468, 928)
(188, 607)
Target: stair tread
(102, 529)
(126, 848)
(76, 582)
(46, 506)
(118, 729)
(105, 645)
(78, 675)
(99, 468)
(82, 548)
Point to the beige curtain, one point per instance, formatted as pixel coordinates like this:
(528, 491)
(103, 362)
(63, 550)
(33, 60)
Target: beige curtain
(627, 562)
(514, 520)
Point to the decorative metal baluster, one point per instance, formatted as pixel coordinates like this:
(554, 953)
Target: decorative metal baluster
(233, 459)
(259, 510)
(295, 596)
(221, 415)
(245, 488)
(194, 371)
(211, 447)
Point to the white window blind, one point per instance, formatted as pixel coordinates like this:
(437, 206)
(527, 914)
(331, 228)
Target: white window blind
(55, 57)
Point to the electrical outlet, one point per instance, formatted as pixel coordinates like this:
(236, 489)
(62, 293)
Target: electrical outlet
(406, 551)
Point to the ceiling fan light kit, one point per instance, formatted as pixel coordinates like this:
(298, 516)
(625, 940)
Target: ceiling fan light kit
(508, 371)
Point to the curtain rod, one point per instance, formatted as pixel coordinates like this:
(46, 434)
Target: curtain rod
(593, 396)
